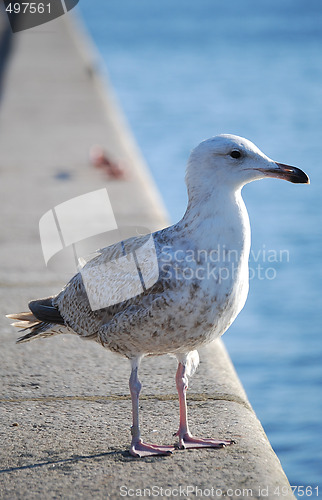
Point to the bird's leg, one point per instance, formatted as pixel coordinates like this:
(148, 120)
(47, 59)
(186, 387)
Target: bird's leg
(186, 440)
(138, 447)
(182, 386)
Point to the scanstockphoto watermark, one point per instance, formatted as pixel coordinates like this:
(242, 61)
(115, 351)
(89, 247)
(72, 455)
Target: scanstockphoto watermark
(265, 262)
(220, 263)
(25, 15)
(77, 227)
(186, 491)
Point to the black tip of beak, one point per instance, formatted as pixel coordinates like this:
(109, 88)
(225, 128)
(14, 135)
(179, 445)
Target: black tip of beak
(292, 174)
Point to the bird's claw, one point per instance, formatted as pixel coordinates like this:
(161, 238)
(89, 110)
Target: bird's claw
(140, 449)
(187, 441)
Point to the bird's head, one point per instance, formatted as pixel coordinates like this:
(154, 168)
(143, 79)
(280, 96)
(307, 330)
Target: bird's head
(232, 161)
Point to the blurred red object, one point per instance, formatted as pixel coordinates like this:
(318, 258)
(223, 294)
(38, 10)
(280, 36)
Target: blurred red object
(100, 159)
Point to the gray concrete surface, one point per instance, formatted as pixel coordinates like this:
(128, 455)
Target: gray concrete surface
(65, 407)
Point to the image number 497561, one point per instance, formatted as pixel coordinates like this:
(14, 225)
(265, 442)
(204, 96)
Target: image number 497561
(25, 15)
(32, 7)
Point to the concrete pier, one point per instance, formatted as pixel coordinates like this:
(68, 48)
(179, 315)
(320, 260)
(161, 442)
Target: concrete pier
(65, 405)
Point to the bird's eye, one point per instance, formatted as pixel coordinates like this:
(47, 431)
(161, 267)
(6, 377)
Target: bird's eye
(235, 154)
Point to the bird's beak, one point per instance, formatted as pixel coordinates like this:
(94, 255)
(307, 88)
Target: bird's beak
(291, 174)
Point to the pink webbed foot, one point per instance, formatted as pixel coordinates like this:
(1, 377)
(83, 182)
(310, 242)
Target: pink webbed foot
(188, 441)
(140, 449)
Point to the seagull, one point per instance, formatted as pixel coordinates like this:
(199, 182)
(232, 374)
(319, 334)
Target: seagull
(201, 285)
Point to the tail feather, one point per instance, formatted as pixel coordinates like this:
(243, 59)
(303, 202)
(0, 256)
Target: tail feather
(25, 324)
(44, 310)
(41, 330)
(43, 320)
(26, 320)
(23, 316)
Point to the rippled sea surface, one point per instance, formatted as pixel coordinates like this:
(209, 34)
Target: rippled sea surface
(186, 70)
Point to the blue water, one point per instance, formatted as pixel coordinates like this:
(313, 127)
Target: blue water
(186, 70)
